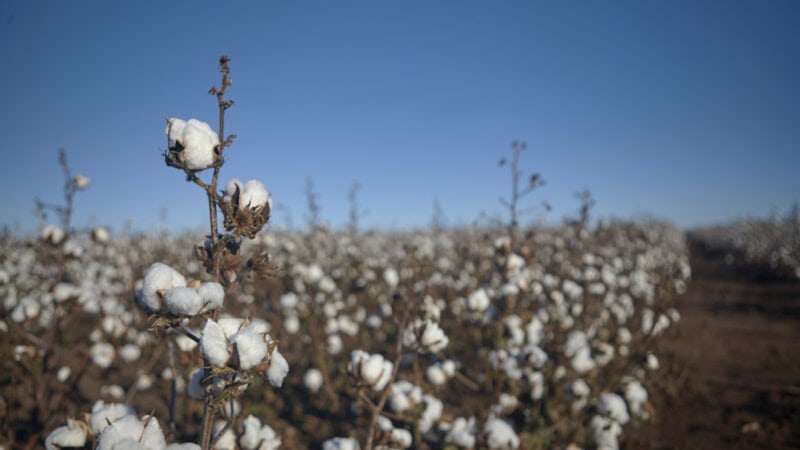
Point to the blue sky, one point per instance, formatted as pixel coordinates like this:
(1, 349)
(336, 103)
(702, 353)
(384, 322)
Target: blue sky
(684, 110)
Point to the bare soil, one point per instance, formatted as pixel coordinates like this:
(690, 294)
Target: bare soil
(734, 364)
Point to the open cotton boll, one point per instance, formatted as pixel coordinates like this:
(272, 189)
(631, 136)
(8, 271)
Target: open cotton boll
(461, 433)
(227, 441)
(340, 443)
(214, 344)
(605, 433)
(500, 435)
(613, 406)
(152, 436)
(73, 434)
(158, 277)
(183, 301)
(120, 432)
(278, 368)
(255, 196)
(199, 144)
(250, 347)
(313, 380)
(212, 295)
(102, 354)
(249, 433)
(478, 300)
(104, 413)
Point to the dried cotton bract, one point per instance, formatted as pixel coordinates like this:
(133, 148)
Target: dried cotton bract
(246, 208)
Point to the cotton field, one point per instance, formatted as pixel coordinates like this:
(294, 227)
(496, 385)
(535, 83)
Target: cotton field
(446, 339)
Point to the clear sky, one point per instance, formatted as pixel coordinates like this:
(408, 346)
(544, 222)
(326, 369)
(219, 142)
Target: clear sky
(686, 110)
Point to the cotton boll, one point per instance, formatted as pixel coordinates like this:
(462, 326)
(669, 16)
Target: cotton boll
(340, 443)
(120, 432)
(183, 301)
(278, 368)
(103, 413)
(391, 278)
(462, 433)
(227, 441)
(152, 436)
(249, 433)
(500, 435)
(214, 344)
(199, 144)
(63, 373)
(255, 196)
(291, 324)
(130, 352)
(613, 406)
(251, 348)
(212, 295)
(605, 433)
(114, 391)
(401, 437)
(71, 435)
(478, 301)
(335, 344)
(102, 354)
(436, 375)
(158, 277)
(636, 396)
(313, 380)
(231, 325)
(652, 362)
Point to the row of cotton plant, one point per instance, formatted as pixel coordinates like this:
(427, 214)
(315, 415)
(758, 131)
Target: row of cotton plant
(774, 243)
(541, 345)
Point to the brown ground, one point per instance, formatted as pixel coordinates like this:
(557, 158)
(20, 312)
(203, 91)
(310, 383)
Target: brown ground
(735, 364)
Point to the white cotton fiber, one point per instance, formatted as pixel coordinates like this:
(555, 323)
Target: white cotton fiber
(198, 141)
(249, 433)
(184, 446)
(158, 277)
(613, 406)
(212, 295)
(153, 435)
(231, 188)
(500, 435)
(183, 301)
(255, 196)
(313, 380)
(230, 325)
(103, 413)
(71, 435)
(116, 435)
(214, 344)
(250, 347)
(278, 368)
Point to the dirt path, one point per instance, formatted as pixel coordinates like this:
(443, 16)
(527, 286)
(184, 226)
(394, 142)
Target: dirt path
(735, 363)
